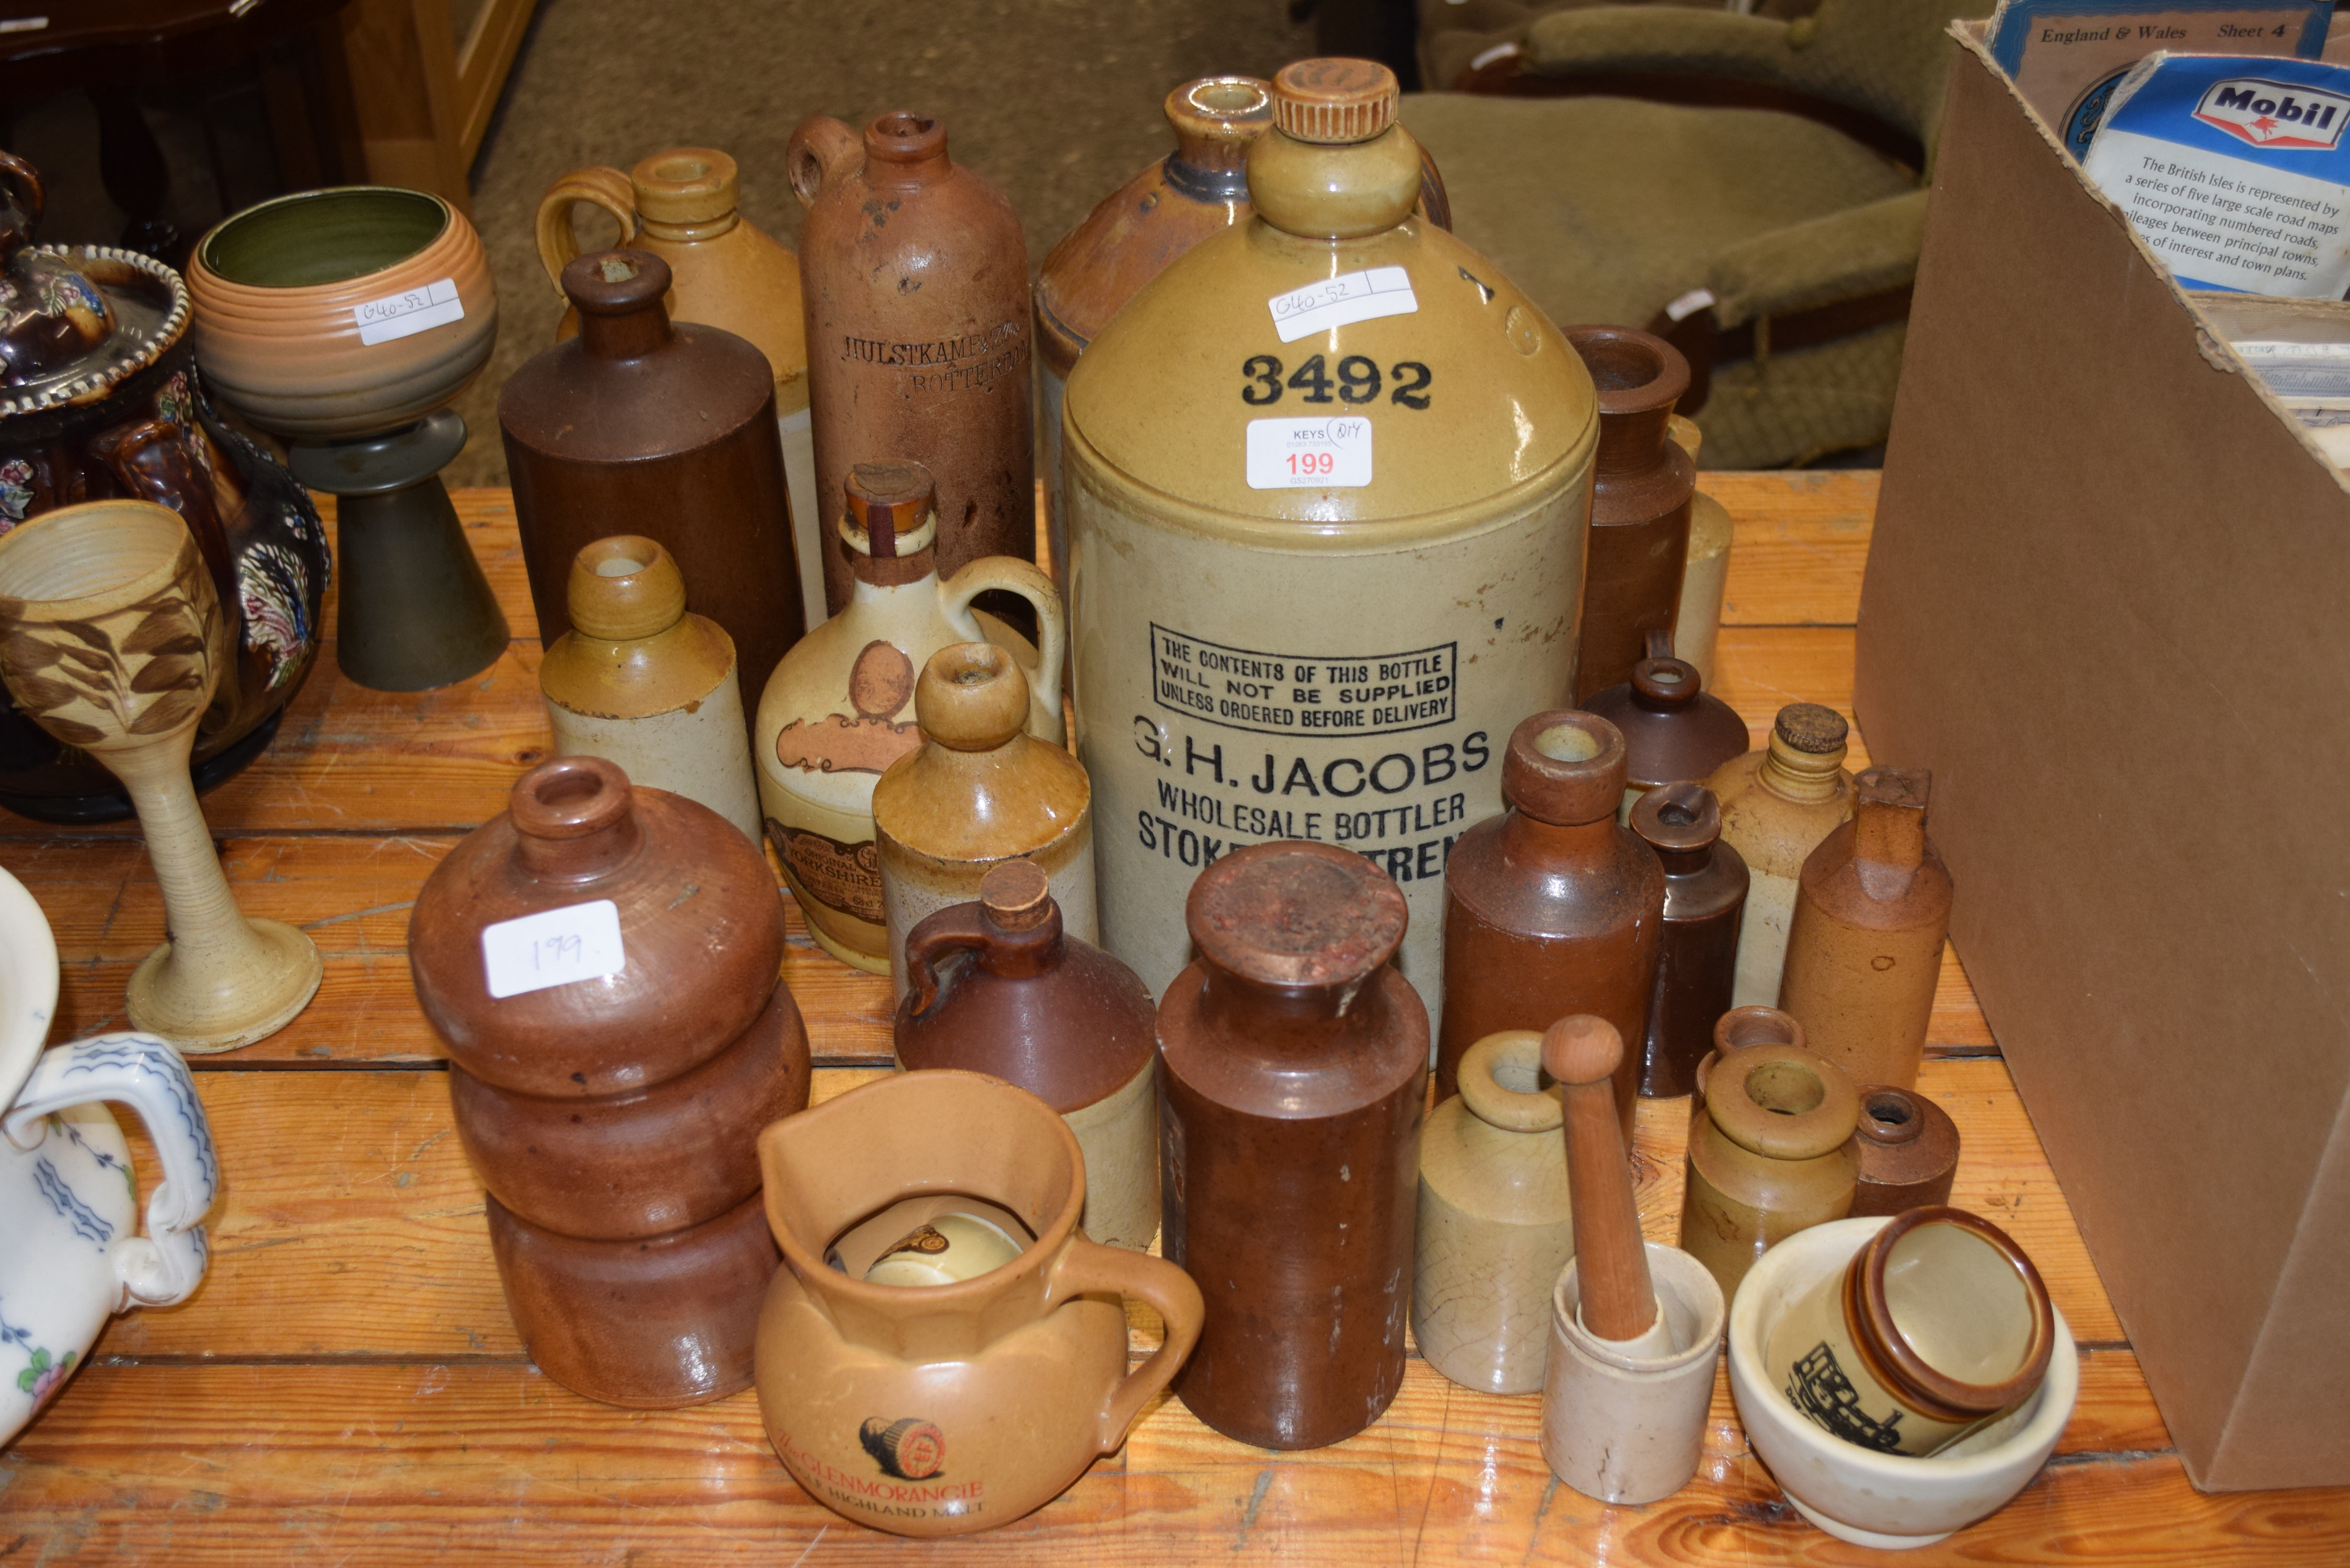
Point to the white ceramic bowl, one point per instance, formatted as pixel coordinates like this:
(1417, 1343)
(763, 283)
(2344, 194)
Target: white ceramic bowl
(1886, 1501)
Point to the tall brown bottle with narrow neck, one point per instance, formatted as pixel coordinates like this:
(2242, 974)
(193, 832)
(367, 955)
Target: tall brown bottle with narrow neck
(1293, 1063)
(1641, 488)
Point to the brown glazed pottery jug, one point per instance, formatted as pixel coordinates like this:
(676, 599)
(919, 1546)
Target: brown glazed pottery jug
(914, 279)
(1865, 950)
(1908, 1151)
(1696, 955)
(1777, 803)
(1674, 729)
(1639, 503)
(1054, 1015)
(602, 963)
(1773, 1155)
(1553, 907)
(1294, 1066)
(943, 1409)
(641, 425)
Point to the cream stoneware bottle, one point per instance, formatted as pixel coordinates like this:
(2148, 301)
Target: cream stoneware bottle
(1777, 803)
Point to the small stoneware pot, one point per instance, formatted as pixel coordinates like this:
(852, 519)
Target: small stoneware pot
(1625, 1424)
(1886, 1501)
(1773, 1155)
(953, 1407)
(1908, 1151)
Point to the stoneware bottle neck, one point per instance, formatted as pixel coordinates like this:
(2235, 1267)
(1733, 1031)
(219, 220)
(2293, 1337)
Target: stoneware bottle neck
(1685, 862)
(693, 233)
(1319, 191)
(1022, 954)
(1291, 1021)
(1804, 776)
(906, 152)
(1889, 833)
(629, 327)
(576, 821)
(1533, 839)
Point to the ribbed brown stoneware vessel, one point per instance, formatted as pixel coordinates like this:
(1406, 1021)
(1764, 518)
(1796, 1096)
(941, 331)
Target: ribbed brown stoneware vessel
(1642, 483)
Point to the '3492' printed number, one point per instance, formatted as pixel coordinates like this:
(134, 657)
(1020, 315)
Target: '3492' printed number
(1358, 381)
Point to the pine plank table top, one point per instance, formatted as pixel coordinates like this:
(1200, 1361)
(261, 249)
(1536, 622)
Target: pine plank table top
(346, 1386)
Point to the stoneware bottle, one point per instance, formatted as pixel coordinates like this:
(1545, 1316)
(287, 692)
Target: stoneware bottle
(1495, 1223)
(680, 205)
(1939, 1325)
(998, 987)
(1697, 955)
(980, 790)
(1639, 506)
(602, 963)
(840, 708)
(1705, 579)
(642, 681)
(1294, 1064)
(1130, 237)
(948, 1408)
(1908, 1151)
(915, 281)
(1774, 1155)
(643, 426)
(1555, 908)
(1864, 948)
(1777, 803)
(1328, 480)
(1674, 730)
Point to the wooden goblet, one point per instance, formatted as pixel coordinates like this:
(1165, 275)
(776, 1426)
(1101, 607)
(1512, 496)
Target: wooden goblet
(112, 640)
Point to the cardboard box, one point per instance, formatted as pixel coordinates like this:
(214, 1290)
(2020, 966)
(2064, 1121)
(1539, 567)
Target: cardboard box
(2108, 604)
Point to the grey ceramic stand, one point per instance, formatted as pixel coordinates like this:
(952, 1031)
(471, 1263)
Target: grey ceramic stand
(415, 612)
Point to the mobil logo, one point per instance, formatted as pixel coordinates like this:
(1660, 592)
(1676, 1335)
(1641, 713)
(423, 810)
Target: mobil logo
(2271, 114)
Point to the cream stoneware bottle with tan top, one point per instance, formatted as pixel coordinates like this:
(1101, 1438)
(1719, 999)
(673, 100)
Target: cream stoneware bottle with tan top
(980, 791)
(839, 710)
(1328, 484)
(1705, 575)
(1773, 1154)
(1777, 803)
(641, 680)
(724, 271)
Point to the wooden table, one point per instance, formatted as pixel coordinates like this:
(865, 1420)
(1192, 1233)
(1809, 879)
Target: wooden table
(346, 1386)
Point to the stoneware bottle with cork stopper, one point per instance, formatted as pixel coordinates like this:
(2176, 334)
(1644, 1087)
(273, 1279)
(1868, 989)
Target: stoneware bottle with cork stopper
(1773, 1155)
(1554, 908)
(1864, 948)
(998, 986)
(1696, 955)
(979, 791)
(1495, 1223)
(641, 425)
(1293, 1063)
(1908, 1151)
(914, 279)
(1777, 803)
(1328, 480)
(1674, 730)
(680, 205)
(645, 682)
(840, 708)
(1705, 575)
(1640, 503)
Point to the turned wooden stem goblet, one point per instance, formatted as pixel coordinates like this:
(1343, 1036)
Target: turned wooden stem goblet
(112, 640)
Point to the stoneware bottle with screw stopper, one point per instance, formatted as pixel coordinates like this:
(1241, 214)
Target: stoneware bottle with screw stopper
(1294, 1062)
(643, 681)
(1495, 1225)
(1327, 481)
(1777, 803)
(1640, 503)
(1696, 955)
(1556, 906)
(997, 986)
(840, 708)
(1674, 730)
(1774, 1155)
(1908, 1151)
(979, 791)
(1864, 948)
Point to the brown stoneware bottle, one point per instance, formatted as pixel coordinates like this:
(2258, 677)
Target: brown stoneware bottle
(1908, 1151)
(602, 963)
(1777, 803)
(1554, 907)
(1640, 503)
(1294, 1064)
(641, 425)
(1864, 950)
(1773, 1155)
(1036, 1007)
(1697, 957)
(1674, 729)
(914, 279)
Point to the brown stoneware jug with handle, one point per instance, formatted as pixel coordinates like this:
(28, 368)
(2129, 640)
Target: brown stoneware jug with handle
(1773, 1155)
(1697, 957)
(914, 278)
(1908, 1151)
(1059, 1017)
(1865, 950)
(1554, 907)
(1674, 730)
(1294, 1062)
(1642, 483)
(602, 963)
(943, 1409)
(1777, 803)
(641, 425)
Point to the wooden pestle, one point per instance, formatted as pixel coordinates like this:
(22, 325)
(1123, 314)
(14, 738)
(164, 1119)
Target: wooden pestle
(1580, 1053)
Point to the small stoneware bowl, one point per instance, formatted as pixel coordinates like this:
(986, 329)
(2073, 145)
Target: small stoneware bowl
(1886, 1501)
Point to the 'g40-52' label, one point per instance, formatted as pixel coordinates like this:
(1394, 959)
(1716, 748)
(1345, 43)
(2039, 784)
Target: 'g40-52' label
(1290, 694)
(1333, 453)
